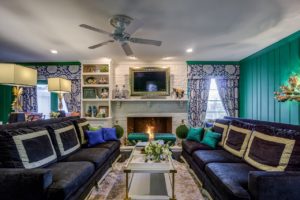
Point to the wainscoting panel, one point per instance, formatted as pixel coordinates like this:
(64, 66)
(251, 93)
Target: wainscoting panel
(262, 74)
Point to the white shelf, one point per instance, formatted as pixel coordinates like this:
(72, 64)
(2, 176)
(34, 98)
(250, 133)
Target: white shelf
(147, 100)
(119, 102)
(94, 73)
(98, 119)
(95, 100)
(95, 85)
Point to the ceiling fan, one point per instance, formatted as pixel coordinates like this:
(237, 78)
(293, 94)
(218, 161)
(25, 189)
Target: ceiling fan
(124, 27)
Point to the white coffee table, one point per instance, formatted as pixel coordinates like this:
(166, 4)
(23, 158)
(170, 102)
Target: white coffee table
(149, 180)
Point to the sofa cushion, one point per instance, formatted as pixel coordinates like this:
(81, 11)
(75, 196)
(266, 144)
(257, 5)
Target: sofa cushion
(68, 177)
(81, 125)
(191, 146)
(221, 126)
(26, 148)
(111, 145)
(231, 179)
(64, 138)
(274, 149)
(97, 156)
(203, 157)
(237, 138)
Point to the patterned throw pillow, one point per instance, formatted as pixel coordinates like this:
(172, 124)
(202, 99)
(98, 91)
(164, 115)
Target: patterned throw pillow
(81, 126)
(64, 138)
(273, 149)
(221, 126)
(26, 148)
(237, 138)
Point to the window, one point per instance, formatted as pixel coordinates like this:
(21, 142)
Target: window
(215, 108)
(43, 100)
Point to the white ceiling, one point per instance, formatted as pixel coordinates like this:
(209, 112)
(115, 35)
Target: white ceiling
(215, 29)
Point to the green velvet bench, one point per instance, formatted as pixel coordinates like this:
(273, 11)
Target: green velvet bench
(134, 138)
(168, 138)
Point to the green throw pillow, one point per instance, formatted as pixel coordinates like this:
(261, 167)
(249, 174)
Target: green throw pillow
(195, 134)
(94, 128)
(211, 139)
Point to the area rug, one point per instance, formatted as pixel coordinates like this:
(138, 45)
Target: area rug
(113, 186)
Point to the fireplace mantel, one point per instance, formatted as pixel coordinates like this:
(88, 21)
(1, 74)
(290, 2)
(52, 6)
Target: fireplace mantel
(148, 101)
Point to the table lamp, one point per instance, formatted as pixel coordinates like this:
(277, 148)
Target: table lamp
(60, 86)
(18, 76)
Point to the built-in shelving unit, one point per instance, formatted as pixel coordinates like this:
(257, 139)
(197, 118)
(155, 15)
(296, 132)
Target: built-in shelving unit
(96, 92)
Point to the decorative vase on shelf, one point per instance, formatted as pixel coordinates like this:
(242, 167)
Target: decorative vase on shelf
(94, 111)
(116, 92)
(124, 92)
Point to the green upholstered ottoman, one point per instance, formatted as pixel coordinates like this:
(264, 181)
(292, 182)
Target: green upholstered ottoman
(168, 138)
(134, 138)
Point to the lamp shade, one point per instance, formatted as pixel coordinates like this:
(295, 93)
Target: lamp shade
(59, 85)
(12, 74)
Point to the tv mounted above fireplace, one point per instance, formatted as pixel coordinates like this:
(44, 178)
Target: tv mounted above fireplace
(151, 81)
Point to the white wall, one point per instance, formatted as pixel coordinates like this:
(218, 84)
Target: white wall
(120, 76)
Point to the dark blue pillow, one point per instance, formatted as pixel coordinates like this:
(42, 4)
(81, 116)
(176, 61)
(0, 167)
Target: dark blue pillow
(95, 137)
(109, 134)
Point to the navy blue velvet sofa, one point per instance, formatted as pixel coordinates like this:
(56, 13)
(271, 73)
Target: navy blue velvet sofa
(226, 176)
(46, 159)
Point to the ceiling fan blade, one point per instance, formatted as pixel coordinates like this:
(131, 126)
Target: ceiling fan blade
(100, 44)
(134, 26)
(94, 29)
(127, 49)
(145, 41)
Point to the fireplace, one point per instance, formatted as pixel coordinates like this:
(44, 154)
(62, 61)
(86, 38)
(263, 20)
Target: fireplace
(150, 125)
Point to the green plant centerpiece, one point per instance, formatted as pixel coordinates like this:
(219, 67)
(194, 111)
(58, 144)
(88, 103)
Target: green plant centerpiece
(156, 151)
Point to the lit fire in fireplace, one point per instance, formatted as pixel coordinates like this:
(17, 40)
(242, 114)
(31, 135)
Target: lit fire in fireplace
(150, 132)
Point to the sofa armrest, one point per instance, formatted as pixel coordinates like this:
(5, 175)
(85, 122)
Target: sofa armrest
(274, 185)
(24, 184)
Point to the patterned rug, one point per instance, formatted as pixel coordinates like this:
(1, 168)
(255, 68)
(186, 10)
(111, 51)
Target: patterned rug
(113, 186)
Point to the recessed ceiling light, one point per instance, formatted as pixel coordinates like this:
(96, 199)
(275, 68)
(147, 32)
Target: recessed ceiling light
(190, 50)
(167, 58)
(132, 58)
(53, 51)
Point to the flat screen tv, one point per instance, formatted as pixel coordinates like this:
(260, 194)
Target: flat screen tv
(150, 81)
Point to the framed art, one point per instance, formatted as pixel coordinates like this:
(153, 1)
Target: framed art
(103, 111)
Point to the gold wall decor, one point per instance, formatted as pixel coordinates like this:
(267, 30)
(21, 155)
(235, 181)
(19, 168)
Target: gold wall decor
(290, 92)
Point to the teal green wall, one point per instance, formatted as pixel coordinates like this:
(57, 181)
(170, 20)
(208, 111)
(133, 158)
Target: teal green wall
(262, 74)
(6, 99)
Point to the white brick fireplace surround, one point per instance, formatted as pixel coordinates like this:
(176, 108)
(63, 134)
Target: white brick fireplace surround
(137, 107)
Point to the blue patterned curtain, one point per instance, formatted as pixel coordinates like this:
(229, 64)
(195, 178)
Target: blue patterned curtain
(198, 96)
(70, 72)
(228, 90)
(29, 99)
(199, 77)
